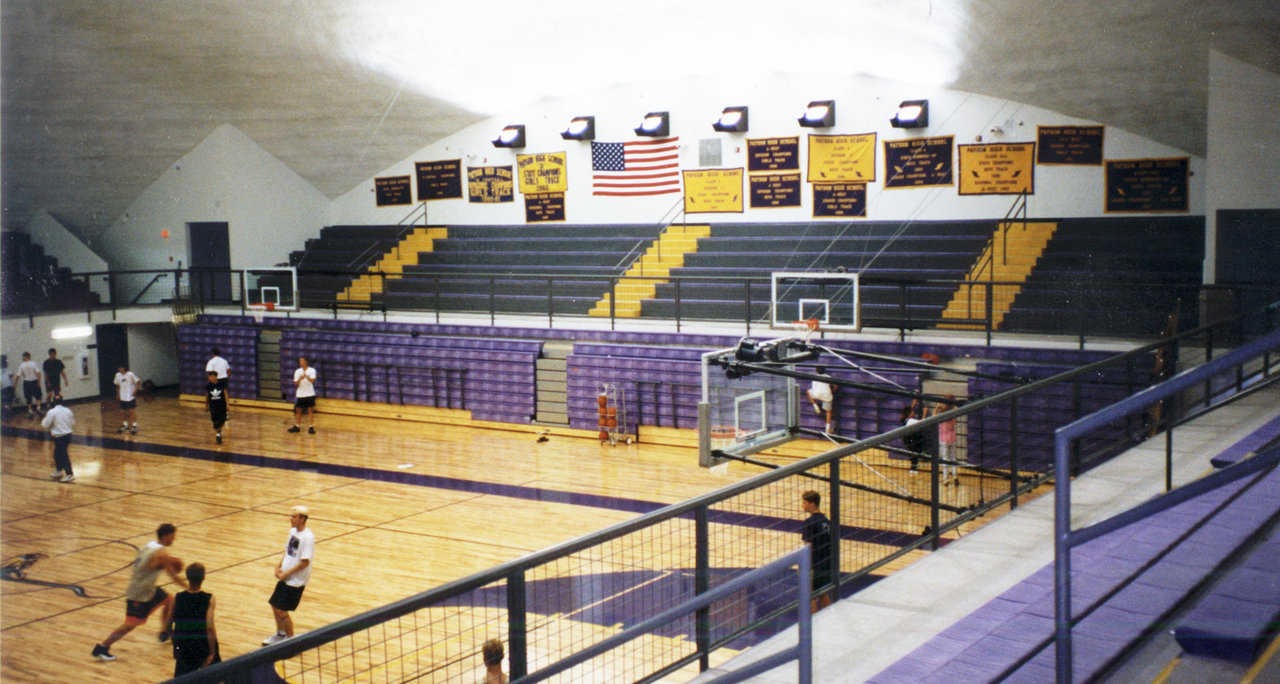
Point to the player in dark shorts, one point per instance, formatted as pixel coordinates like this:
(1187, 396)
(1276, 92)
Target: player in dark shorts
(55, 372)
(817, 534)
(215, 398)
(29, 373)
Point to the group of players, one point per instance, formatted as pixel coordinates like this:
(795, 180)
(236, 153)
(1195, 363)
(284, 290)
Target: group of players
(53, 373)
(188, 617)
(217, 398)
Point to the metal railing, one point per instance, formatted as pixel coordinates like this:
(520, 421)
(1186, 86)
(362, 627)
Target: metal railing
(1183, 397)
(1087, 309)
(691, 547)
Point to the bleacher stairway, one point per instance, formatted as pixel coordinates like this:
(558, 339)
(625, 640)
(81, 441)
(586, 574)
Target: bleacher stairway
(651, 270)
(552, 383)
(269, 364)
(1009, 257)
(405, 252)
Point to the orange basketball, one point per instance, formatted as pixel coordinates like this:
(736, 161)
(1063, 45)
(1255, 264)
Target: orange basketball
(602, 401)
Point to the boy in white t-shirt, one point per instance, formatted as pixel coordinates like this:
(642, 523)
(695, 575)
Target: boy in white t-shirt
(304, 380)
(127, 391)
(292, 573)
(822, 396)
(29, 374)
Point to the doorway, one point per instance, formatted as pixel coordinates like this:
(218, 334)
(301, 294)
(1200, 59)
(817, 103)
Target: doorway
(113, 352)
(210, 258)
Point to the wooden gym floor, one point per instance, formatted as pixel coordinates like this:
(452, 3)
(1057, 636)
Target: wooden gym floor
(484, 496)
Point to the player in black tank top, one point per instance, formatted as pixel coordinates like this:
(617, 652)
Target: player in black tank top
(195, 640)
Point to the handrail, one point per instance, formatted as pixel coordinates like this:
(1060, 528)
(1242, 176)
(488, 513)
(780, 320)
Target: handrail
(408, 218)
(990, 258)
(1064, 537)
(668, 217)
(147, 287)
(513, 572)
(620, 267)
(801, 652)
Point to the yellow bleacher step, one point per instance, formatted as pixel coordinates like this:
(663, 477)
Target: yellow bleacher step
(651, 270)
(1010, 255)
(393, 261)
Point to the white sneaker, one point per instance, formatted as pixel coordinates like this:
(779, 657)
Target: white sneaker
(68, 478)
(55, 475)
(274, 639)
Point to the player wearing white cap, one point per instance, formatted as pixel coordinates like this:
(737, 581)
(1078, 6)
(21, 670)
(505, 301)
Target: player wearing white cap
(292, 573)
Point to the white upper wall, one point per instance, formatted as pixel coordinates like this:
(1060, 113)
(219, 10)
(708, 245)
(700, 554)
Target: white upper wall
(270, 210)
(1244, 145)
(1244, 136)
(63, 245)
(863, 105)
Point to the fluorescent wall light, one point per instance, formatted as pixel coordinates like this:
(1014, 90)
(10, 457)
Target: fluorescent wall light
(911, 114)
(732, 119)
(511, 136)
(819, 114)
(72, 332)
(655, 125)
(580, 128)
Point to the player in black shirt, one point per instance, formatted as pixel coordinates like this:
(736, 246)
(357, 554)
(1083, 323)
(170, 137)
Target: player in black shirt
(817, 534)
(55, 373)
(215, 397)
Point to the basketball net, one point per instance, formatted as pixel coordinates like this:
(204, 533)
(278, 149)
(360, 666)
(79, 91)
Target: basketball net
(811, 325)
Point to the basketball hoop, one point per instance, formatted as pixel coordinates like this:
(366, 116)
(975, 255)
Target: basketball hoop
(256, 313)
(269, 306)
(723, 436)
(811, 326)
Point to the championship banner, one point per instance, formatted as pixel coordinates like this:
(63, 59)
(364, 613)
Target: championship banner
(543, 172)
(392, 190)
(490, 184)
(1079, 145)
(1147, 185)
(836, 158)
(439, 179)
(769, 190)
(1004, 169)
(918, 162)
(543, 206)
(773, 154)
(839, 199)
(711, 191)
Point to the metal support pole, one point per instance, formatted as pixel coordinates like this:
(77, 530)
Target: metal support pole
(1062, 560)
(517, 634)
(701, 583)
(834, 497)
(1013, 452)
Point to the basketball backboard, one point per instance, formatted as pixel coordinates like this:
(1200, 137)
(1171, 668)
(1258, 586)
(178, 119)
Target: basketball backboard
(830, 298)
(272, 289)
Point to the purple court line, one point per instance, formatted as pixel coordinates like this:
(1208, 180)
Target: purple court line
(639, 506)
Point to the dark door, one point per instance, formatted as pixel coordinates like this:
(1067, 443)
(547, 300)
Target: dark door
(1248, 242)
(113, 352)
(210, 262)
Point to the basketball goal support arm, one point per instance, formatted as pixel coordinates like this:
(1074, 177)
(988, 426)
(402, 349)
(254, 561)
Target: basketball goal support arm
(802, 375)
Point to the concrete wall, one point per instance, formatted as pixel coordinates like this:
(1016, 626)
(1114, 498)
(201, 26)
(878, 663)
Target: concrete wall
(1243, 164)
(270, 209)
(21, 335)
(863, 105)
(61, 244)
(153, 353)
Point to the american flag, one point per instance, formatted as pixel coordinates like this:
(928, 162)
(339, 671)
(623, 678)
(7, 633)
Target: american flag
(643, 167)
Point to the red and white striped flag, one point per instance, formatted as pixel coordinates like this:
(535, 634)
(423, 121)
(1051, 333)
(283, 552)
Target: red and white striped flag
(643, 167)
